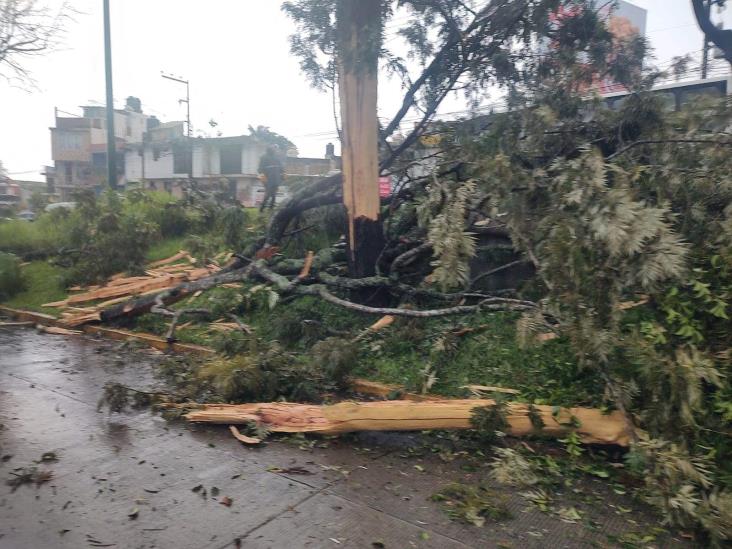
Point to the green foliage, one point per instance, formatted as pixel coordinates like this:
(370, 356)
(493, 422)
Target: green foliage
(337, 358)
(681, 486)
(109, 238)
(490, 422)
(37, 202)
(172, 217)
(232, 223)
(453, 247)
(265, 373)
(472, 504)
(11, 276)
(625, 214)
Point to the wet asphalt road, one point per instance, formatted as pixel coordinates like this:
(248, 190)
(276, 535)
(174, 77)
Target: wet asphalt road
(136, 481)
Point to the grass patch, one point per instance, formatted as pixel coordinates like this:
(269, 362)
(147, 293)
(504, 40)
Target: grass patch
(406, 353)
(415, 353)
(44, 283)
(46, 234)
(165, 248)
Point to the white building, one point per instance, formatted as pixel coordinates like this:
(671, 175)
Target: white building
(166, 159)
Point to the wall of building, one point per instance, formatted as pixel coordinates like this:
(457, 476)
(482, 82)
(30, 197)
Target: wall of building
(206, 160)
(250, 158)
(135, 126)
(162, 167)
(133, 165)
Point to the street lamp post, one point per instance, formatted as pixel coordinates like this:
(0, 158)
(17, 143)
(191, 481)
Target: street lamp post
(187, 101)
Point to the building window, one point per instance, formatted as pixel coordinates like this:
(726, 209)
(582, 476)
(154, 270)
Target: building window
(68, 172)
(69, 141)
(230, 159)
(700, 92)
(182, 158)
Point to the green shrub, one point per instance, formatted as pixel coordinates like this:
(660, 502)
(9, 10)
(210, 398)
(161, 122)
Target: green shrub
(11, 277)
(109, 237)
(171, 216)
(44, 236)
(232, 225)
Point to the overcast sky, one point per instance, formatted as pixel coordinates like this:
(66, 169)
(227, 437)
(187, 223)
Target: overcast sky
(236, 55)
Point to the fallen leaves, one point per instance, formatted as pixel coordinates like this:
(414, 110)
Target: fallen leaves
(28, 475)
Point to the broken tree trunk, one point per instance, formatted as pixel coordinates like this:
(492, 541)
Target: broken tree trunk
(359, 41)
(143, 304)
(284, 417)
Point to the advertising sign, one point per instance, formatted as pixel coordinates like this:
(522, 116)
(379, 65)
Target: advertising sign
(384, 186)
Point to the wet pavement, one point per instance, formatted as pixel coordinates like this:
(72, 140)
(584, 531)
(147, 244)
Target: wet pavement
(133, 480)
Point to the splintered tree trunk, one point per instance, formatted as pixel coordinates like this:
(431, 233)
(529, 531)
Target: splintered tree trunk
(359, 40)
(595, 427)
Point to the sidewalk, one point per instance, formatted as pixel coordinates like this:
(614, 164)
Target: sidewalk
(356, 491)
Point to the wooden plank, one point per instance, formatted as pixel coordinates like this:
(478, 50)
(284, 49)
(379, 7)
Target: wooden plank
(30, 316)
(127, 290)
(57, 331)
(126, 280)
(285, 417)
(157, 342)
(78, 320)
(111, 333)
(182, 254)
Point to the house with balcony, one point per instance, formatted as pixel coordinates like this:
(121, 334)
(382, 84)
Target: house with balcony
(167, 159)
(79, 145)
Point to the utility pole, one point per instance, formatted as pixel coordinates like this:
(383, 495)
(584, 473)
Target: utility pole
(705, 45)
(111, 142)
(189, 132)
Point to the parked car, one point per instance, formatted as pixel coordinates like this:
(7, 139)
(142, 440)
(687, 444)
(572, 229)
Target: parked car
(57, 205)
(26, 215)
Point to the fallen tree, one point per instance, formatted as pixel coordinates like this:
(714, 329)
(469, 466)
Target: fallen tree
(592, 426)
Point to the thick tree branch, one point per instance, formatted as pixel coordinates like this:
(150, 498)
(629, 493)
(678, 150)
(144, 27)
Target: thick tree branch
(490, 304)
(719, 37)
(409, 256)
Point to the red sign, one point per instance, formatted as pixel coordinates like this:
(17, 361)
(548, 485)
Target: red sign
(384, 186)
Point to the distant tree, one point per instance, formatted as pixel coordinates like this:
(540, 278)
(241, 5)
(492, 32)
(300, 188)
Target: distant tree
(38, 202)
(267, 136)
(27, 29)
